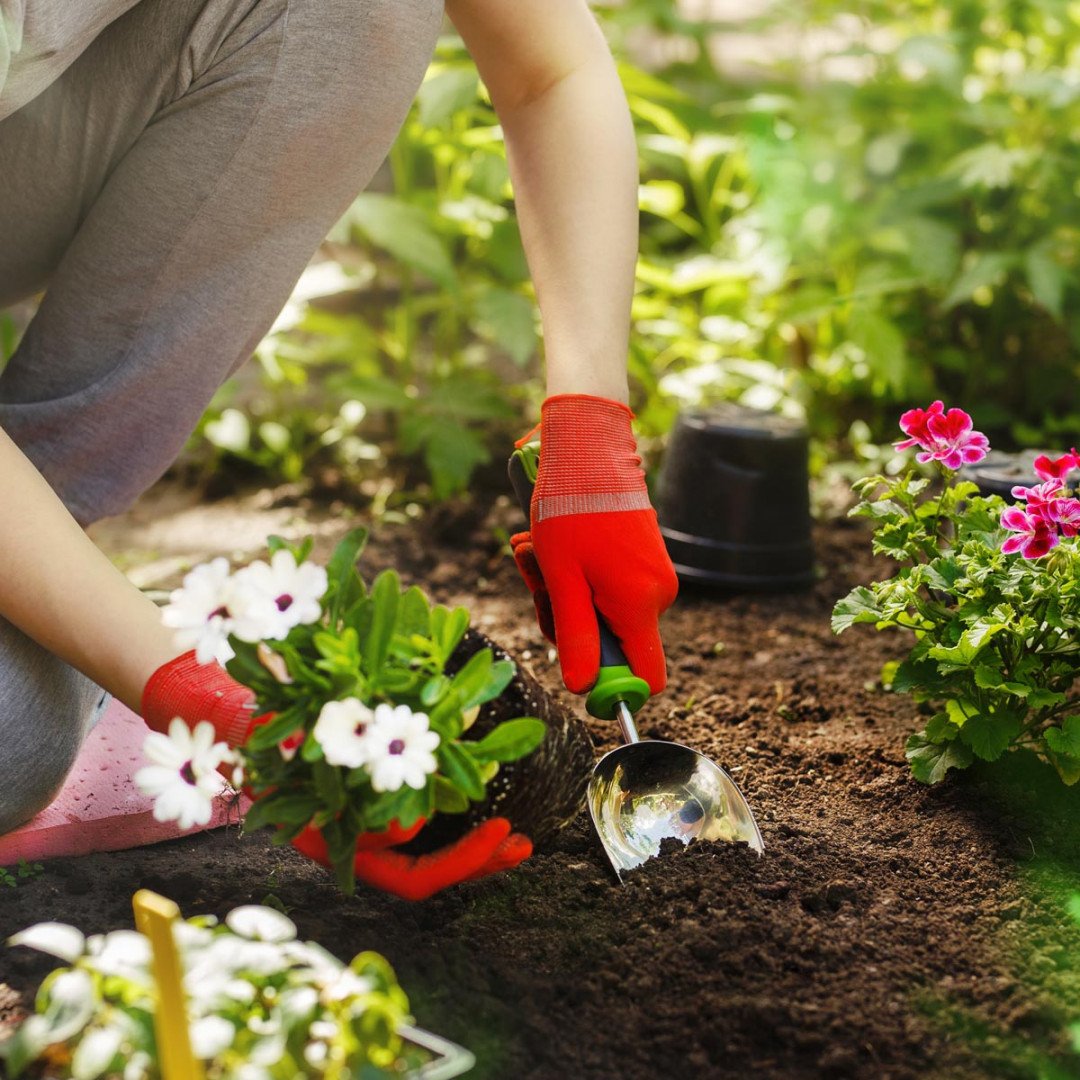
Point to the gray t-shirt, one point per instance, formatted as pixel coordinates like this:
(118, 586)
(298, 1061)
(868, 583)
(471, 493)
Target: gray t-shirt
(40, 38)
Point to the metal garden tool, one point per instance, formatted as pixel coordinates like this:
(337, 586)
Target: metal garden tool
(647, 790)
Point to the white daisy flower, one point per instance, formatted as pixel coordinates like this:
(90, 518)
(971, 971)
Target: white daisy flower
(199, 612)
(292, 593)
(122, 952)
(399, 747)
(183, 780)
(341, 731)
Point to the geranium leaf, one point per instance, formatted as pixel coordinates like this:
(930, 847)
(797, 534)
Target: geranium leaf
(931, 761)
(990, 735)
(859, 606)
(1065, 740)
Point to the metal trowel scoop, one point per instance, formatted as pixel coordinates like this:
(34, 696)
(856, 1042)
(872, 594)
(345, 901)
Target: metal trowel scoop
(646, 791)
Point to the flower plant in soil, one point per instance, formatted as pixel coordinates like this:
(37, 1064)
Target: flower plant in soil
(262, 1005)
(360, 724)
(990, 593)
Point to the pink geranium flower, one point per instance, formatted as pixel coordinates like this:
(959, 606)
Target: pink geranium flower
(1047, 468)
(1040, 497)
(1065, 514)
(1035, 538)
(942, 436)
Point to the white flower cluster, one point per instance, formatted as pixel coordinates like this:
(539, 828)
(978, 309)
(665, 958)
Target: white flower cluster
(227, 977)
(184, 780)
(396, 745)
(260, 602)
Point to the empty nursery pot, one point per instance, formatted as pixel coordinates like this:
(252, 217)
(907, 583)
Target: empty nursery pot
(734, 499)
(998, 473)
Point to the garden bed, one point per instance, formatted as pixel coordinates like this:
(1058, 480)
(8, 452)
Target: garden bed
(890, 929)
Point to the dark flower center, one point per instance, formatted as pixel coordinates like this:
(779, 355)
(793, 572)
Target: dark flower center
(397, 746)
(284, 602)
(360, 729)
(223, 611)
(187, 773)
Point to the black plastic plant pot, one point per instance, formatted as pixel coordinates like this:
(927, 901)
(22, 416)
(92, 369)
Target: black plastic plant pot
(998, 473)
(734, 500)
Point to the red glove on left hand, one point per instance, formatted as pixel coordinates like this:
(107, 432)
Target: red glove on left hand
(193, 691)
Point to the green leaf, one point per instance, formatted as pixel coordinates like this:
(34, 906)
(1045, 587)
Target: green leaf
(1065, 740)
(451, 454)
(883, 345)
(985, 268)
(407, 233)
(414, 615)
(273, 731)
(931, 761)
(448, 628)
(509, 741)
(461, 770)
(1046, 277)
(988, 166)
(971, 642)
(859, 606)
(385, 597)
(433, 690)
(281, 808)
(941, 729)
(510, 319)
(448, 800)
(446, 93)
(990, 735)
(345, 586)
(1045, 699)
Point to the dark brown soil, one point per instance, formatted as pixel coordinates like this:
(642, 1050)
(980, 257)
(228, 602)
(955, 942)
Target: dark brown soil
(890, 930)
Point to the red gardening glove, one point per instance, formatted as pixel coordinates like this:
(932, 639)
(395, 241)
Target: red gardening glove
(486, 849)
(525, 556)
(594, 544)
(183, 687)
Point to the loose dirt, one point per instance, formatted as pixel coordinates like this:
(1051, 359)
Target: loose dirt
(890, 930)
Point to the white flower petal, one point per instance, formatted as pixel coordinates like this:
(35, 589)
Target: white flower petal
(95, 1051)
(258, 923)
(56, 939)
(210, 1036)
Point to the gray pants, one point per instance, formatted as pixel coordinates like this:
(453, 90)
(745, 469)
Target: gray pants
(167, 191)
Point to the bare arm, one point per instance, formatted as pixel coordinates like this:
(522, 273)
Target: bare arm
(573, 163)
(60, 590)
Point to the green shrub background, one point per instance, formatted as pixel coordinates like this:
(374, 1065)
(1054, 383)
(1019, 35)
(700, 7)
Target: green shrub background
(878, 210)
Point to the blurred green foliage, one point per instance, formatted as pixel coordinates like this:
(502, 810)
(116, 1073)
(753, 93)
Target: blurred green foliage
(880, 211)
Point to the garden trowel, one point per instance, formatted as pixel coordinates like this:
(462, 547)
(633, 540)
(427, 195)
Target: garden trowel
(647, 790)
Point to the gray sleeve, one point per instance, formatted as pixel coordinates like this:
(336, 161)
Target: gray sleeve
(39, 39)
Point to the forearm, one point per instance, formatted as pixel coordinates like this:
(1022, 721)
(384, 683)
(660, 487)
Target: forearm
(573, 164)
(65, 594)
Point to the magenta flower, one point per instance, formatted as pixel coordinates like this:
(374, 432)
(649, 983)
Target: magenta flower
(942, 436)
(1036, 535)
(1065, 514)
(1040, 497)
(1056, 468)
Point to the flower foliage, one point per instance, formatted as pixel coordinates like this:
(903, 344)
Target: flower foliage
(262, 1005)
(363, 724)
(991, 594)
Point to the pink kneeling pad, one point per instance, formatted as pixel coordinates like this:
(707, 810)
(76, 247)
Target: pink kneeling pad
(99, 807)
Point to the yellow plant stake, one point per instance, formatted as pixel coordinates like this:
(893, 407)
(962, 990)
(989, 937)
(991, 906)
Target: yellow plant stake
(154, 917)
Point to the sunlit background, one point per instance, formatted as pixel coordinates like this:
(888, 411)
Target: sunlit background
(845, 208)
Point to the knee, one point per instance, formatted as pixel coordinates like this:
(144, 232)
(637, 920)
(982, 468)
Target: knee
(46, 710)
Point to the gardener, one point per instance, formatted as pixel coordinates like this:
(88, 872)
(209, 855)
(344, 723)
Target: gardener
(167, 168)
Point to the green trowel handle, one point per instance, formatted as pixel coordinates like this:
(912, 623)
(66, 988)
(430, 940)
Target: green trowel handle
(616, 682)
